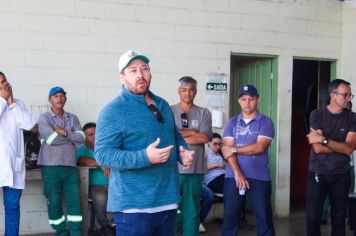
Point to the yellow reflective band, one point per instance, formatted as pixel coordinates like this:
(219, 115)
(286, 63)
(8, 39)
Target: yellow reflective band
(82, 133)
(58, 221)
(51, 138)
(74, 218)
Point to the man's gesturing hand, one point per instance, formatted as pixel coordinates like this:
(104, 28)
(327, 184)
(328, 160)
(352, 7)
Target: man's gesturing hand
(187, 157)
(158, 155)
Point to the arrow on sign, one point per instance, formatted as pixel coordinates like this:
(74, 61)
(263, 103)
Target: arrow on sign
(216, 86)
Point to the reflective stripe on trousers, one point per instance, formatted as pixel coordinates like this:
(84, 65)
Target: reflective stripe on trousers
(74, 218)
(57, 222)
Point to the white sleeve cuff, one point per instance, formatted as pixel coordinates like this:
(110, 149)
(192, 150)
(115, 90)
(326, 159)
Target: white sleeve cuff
(12, 105)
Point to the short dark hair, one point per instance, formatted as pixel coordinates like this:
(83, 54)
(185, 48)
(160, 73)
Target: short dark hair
(2, 74)
(89, 125)
(215, 135)
(333, 85)
(188, 80)
(349, 106)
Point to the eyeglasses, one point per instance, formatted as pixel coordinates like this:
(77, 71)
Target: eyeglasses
(346, 95)
(184, 119)
(156, 112)
(216, 144)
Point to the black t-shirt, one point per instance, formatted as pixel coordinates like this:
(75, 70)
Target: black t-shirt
(335, 127)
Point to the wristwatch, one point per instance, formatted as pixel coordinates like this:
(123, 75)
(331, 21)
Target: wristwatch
(233, 150)
(324, 142)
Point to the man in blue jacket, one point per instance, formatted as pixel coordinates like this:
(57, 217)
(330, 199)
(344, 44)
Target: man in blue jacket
(136, 137)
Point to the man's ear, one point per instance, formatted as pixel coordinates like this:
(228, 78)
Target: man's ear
(121, 77)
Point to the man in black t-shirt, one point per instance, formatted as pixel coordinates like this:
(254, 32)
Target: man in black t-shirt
(333, 138)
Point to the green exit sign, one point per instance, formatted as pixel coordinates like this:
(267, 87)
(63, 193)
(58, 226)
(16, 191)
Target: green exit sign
(216, 86)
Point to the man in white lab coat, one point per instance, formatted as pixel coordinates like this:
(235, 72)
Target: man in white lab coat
(14, 118)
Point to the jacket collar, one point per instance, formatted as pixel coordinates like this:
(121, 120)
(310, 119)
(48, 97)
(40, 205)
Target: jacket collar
(54, 114)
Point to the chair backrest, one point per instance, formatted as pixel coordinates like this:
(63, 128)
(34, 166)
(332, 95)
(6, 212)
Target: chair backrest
(32, 149)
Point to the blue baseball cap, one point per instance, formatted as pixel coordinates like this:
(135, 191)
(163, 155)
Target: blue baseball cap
(56, 90)
(248, 89)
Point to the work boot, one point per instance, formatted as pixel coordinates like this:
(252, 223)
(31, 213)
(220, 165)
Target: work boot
(107, 231)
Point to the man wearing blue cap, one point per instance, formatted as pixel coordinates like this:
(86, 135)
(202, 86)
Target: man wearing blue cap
(60, 131)
(247, 138)
(137, 139)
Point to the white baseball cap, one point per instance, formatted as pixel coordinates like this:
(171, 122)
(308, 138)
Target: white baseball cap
(129, 56)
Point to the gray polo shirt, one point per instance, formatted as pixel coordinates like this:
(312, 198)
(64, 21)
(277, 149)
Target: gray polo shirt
(199, 118)
(57, 150)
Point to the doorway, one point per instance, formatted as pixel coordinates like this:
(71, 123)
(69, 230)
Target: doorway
(310, 91)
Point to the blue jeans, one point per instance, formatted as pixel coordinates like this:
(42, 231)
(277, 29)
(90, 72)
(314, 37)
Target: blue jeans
(259, 197)
(146, 224)
(336, 186)
(207, 201)
(12, 210)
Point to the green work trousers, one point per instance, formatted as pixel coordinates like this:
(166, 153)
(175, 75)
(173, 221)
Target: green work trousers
(190, 187)
(59, 182)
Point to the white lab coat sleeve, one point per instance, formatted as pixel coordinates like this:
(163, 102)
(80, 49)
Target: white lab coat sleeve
(23, 117)
(3, 105)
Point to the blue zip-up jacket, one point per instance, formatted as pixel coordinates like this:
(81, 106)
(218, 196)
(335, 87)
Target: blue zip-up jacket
(125, 128)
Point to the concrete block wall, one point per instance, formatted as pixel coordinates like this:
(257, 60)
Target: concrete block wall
(76, 44)
(348, 58)
(34, 218)
(348, 53)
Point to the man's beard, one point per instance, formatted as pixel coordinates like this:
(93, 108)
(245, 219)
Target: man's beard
(135, 91)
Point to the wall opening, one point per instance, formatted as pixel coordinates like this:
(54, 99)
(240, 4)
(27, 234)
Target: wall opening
(310, 81)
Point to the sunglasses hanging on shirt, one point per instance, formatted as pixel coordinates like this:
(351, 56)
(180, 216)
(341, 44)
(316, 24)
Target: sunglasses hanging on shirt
(184, 119)
(156, 112)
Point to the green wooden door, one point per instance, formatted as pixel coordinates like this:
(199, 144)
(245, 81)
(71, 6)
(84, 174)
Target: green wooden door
(262, 73)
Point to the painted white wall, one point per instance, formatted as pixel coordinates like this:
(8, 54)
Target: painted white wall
(76, 44)
(348, 53)
(348, 58)
(34, 216)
